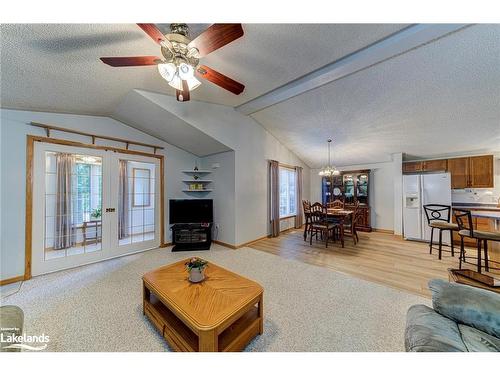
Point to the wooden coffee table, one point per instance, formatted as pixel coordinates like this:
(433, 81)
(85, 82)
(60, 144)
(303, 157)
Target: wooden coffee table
(222, 313)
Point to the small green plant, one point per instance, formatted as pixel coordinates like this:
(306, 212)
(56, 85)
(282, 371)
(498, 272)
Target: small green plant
(196, 263)
(96, 213)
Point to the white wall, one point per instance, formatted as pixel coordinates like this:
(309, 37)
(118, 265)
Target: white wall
(381, 192)
(480, 195)
(13, 132)
(223, 194)
(253, 146)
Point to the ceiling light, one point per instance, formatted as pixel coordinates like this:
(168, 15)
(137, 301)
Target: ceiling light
(167, 71)
(193, 83)
(176, 82)
(185, 71)
(329, 169)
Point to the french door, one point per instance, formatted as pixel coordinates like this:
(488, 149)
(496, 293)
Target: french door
(91, 204)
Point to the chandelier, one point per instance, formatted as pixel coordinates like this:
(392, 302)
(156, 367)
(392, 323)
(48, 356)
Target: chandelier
(329, 170)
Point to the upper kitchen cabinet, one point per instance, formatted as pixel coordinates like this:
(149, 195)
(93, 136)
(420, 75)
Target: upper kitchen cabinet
(471, 172)
(459, 170)
(466, 172)
(439, 165)
(425, 166)
(481, 171)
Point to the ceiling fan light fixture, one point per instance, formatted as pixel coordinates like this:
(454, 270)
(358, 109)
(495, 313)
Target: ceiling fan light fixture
(167, 71)
(193, 83)
(176, 82)
(186, 71)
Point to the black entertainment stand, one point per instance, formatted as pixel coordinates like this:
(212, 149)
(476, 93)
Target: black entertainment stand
(186, 237)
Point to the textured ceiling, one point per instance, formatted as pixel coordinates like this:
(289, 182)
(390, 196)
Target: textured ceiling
(438, 99)
(56, 67)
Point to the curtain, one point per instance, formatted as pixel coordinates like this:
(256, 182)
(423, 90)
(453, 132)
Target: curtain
(300, 211)
(274, 197)
(65, 233)
(123, 201)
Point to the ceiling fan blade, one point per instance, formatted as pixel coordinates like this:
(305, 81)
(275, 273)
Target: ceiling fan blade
(183, 95)
(152, 31)
(131, 61)
(220, 79)
(216, 36)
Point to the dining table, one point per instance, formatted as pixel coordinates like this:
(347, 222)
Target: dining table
(338, 213)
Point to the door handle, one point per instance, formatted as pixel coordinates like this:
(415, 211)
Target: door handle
(112, 209)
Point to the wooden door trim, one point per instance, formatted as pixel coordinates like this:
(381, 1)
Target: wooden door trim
(30, 145)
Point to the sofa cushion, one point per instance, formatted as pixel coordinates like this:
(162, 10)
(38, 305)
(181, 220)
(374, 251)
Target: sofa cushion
(478, 341)
(428, 331)
(475, 307)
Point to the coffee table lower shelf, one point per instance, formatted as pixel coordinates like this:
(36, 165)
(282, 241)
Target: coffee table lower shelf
(181, 338)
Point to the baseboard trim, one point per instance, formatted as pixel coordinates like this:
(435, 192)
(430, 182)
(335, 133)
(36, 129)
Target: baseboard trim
(234, 247)
(388, 231)
(11, 280)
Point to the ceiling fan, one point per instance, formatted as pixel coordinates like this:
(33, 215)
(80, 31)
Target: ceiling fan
(180, 62)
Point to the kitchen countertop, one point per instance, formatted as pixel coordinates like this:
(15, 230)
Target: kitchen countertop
(495, 215)
(476, 206)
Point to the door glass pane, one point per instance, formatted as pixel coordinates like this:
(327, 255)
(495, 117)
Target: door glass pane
(136, 202)
(73, 204)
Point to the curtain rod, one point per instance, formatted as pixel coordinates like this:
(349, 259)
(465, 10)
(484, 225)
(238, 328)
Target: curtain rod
(48, 128)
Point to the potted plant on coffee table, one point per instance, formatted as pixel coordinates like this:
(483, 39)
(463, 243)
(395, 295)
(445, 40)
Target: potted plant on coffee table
(196, 268)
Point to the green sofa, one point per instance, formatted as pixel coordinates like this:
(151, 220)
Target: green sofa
(463, 319)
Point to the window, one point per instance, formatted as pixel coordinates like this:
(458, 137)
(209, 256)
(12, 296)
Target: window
(88, 190)
(288, 188)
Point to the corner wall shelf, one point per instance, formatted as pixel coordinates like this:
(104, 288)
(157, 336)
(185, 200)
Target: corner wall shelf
(195, 184)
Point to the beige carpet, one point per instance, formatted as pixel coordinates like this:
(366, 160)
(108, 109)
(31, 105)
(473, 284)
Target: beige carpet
(307, 308)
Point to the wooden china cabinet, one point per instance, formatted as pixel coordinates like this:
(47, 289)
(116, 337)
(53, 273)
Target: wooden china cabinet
(350, 187)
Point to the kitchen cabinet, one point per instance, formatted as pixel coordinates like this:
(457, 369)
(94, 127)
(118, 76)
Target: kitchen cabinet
(466, 172)
(435, 165)
(471, 172)
(481, 171)
(459, 170)
(425, 166)
(412, 167)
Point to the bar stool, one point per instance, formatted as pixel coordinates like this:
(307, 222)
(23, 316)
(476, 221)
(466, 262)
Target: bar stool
(466, 229)
(438, 217)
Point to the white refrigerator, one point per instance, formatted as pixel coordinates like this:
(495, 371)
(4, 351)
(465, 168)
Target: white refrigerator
(418, 190)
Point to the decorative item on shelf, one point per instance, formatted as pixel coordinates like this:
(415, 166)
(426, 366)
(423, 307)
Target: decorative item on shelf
(199, 187)
(196, 268)
(196, 176)
(329, 169)
(193, 186)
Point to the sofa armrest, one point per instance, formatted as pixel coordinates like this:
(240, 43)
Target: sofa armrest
(475, 307)
(428, 331)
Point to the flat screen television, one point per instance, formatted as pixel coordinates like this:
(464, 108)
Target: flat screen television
(184, 211)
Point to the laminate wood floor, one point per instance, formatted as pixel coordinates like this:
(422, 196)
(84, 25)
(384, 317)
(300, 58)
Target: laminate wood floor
(379, 257)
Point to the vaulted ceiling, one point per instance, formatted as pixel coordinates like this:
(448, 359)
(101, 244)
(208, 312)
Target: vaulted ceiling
(438, 98)
(62, 60)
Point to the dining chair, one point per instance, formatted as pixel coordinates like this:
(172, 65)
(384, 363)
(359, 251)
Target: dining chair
(307, 214)
(351, 222)
(466, 229)
(319, 223)
(438, 217)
